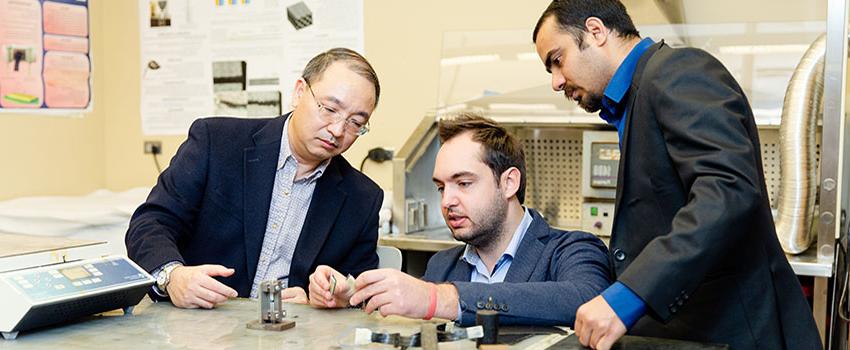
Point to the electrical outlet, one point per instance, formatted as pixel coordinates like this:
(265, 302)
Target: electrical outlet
(153, 147)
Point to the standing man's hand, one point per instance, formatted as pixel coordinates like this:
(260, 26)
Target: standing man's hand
(320, 288)
(597, 326)
(393, 292)
(194, 287)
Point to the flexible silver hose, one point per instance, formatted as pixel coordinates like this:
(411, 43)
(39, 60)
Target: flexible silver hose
(801, 109)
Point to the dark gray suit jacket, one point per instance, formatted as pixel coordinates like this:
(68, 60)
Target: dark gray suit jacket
(552, 274)
(693, 235)
(211, 206)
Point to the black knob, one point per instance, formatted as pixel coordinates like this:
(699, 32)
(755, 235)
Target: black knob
(489, 321)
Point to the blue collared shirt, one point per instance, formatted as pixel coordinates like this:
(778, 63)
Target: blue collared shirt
(628, 306)
(480, 273)
(613, 105)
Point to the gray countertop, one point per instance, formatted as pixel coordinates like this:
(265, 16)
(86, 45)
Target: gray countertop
(162, 326)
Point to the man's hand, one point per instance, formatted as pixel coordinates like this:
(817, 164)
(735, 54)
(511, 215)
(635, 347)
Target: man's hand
(597, 326)
(393, 292)
(295, 295)
(320, 288)
(192, 287)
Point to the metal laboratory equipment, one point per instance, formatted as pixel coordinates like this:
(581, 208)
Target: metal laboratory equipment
(50, 280)
(272, 313)
(600, 161)
(416, 199)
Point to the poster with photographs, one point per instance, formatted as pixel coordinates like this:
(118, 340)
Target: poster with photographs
(233, 57)
(44, 50)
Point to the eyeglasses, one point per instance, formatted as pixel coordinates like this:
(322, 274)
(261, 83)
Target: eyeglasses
(352, 125)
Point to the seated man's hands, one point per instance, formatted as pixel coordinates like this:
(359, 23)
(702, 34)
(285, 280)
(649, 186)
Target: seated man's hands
(597, 325)
(295, 295)
(320, 288)
(194, 287)
(393, 292)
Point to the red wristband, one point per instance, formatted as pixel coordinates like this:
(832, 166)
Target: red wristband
(432, 306)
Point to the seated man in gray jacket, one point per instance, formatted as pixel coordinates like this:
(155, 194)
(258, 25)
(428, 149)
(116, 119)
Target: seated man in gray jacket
(513, 261)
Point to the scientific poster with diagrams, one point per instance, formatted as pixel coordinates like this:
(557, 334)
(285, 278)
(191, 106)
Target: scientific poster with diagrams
(233, 57)
(45, 66)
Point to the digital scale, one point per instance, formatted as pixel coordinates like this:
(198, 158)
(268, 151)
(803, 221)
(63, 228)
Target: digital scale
(49, 280)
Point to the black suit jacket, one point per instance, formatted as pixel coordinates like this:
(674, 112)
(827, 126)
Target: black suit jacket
(211, 206)
(693, 234)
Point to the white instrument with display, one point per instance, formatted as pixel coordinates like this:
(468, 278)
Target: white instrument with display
(48, 280)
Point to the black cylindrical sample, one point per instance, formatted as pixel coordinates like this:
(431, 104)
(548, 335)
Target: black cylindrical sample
(489, 320)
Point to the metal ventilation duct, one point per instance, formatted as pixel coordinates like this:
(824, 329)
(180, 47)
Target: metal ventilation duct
(802, 106)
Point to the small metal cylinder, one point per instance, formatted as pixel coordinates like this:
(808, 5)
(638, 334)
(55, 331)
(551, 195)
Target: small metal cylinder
(489, 321)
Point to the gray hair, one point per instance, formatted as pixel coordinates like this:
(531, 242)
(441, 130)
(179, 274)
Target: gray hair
(357, 63)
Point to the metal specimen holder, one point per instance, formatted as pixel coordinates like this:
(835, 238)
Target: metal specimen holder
(272, 314)
(428, 336)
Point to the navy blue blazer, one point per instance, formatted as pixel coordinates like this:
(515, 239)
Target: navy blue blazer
(211, 206)
(552, 274)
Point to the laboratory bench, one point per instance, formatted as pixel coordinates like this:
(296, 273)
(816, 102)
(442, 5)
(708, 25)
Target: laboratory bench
(163, 326)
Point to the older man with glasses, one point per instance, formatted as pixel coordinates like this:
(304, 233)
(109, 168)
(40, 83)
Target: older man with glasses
(248, 200)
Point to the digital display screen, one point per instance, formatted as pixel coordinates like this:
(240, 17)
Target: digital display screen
(609, 154)
(75, 273)
(604, 162)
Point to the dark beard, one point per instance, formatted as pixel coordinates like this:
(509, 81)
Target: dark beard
(593, 104)
(490, 230)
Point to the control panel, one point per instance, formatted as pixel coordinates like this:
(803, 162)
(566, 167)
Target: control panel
(70, 279)
(600, 166)
(604, 162)
(597, 218)
(600, 162)
(43, 295)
